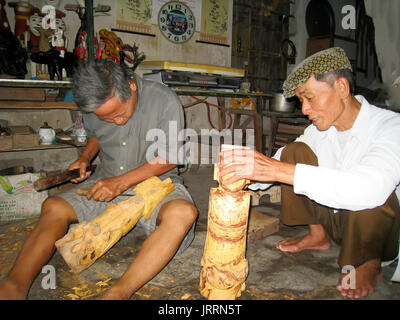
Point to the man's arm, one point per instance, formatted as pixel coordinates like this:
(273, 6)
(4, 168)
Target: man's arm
(249, 164)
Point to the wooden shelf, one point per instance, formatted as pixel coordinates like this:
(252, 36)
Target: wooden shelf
(215, 93)
(35, 83)
(34, 105)
(296, 114)
(43, 147)
(21, 105)
(242, 111)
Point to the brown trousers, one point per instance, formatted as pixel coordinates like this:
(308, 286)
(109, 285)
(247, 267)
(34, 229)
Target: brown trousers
(363, 235)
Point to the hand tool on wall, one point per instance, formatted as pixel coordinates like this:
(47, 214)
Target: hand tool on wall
(56, 179)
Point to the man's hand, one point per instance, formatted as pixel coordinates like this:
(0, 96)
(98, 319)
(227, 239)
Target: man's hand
(90, 151)
(81, 164)
(107, 189)
(250, 164)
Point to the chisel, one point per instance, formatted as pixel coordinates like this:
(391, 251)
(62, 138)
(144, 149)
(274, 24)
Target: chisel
(59, 178)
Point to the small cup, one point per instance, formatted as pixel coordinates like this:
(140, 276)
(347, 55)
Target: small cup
(81, 139)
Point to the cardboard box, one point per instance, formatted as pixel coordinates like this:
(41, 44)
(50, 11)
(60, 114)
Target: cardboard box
(6, 143)
(243, 103)
(24, 137)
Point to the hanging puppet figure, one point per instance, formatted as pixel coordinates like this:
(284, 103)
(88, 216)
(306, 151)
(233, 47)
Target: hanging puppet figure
(4, 24)
(23, 10)
(58, 40)
(35, 26)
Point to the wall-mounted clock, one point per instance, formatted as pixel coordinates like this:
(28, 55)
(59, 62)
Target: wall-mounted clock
(176, 21)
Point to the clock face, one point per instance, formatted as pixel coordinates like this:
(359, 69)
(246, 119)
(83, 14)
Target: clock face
(176, 22)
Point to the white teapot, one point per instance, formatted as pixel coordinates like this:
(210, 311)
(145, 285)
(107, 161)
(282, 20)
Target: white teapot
(46, 134)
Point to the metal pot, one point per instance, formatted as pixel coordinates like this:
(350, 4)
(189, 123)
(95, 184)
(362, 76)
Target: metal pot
(280, 104)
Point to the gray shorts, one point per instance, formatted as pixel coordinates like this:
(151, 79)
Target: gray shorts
(87, 210)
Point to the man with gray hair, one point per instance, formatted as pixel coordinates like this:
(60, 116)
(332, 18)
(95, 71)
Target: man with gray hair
(120, 108)
(340, 176)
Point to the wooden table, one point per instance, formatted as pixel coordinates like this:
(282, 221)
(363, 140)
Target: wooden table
(274, 118)
(257, 115)
(260, 102)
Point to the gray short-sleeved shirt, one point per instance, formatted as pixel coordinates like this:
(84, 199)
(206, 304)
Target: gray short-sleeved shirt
(151, 131)
(154, 127)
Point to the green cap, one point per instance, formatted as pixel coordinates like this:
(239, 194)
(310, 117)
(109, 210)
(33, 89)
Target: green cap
(319, 63)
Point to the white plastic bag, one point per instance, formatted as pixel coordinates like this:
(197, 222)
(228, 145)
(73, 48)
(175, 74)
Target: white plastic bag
(18, 198)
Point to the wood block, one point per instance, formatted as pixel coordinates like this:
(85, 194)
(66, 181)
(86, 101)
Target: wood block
(274, 193)
(86, 241)
(21, 130)
(24, 137)
(261, 226)
(6, 143)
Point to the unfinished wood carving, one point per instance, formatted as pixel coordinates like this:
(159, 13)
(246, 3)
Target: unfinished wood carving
(87, 241)
(224, 265)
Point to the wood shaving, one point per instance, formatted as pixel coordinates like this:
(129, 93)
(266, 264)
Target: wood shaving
(186, 296)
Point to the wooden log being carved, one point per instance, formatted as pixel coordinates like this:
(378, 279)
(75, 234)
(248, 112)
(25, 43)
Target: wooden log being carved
(224, 265)
(87, 241)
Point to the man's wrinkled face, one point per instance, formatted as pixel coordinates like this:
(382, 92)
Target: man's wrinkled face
(115, 111)
(321, 103)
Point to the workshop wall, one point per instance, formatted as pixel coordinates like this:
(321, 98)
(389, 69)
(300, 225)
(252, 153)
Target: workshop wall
(155, 47)
(387, 39)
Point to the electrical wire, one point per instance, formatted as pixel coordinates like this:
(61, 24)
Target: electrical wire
(208, 104)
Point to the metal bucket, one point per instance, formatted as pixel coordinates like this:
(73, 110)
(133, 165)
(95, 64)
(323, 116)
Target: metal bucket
(280, 104)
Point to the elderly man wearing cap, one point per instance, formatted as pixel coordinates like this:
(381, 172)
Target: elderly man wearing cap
(340, 176)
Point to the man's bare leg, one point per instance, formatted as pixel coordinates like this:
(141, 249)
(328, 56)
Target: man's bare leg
(367, 276)
(56, 215)
(316, 239)
(176, 217)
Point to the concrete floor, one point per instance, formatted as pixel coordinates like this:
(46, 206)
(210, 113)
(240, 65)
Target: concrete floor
(272, 274)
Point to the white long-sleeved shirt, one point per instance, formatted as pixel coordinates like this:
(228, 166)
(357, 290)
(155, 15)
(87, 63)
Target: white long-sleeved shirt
(363, 173)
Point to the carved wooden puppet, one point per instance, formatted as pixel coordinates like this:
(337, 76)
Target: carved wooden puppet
(224, 264)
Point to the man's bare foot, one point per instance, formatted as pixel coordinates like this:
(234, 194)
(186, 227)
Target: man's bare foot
(317, 239)
(366, 277)
(11, 291)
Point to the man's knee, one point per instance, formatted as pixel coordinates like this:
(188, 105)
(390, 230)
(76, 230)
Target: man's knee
(56, 208)
(298, 152)
(180, 213)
